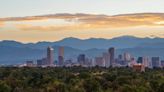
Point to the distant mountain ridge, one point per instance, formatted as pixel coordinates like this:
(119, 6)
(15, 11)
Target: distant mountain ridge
(100, 43)
(17, 52)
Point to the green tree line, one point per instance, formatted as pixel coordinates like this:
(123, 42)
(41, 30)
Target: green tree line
(78, 79)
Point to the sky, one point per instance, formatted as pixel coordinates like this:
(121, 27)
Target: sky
(52, 20)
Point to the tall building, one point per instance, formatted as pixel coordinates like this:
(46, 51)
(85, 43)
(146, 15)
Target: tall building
(99, 61)
(127, 57)
(81, 59)
(132, 62)
(50, 56)
(140, 60)
(120, 60)
(155, 62)
(61, 56)
(146, 61)
(106, 57)
(61, 51)
(88, 62)
(112, 55)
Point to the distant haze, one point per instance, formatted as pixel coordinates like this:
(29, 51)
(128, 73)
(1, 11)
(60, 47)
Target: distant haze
(13, 52)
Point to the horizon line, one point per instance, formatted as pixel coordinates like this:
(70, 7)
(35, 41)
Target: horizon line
(151, 37)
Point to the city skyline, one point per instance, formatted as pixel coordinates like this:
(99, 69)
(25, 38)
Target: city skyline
(81, 45)
(52, 20)
(107, 59)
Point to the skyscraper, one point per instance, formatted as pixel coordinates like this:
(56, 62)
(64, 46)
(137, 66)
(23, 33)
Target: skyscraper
(61, 56)
(140, 60)
(61, 51)
(127, 57)
(99, 61)
(106, 57)
(50, 56)
(120, 59)
(132, 62)
(156, 62)
(81, 59)
(146, 61)
(112, 52)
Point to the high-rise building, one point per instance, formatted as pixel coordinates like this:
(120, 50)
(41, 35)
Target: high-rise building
(140, 60)
(61, 51)
(156, 62)
(106, 57)
(50, 56)
(132, 62)
(61, 56)
(112, 56)
(99, 61)
(81, 59)
(60, 60)
(120, 61)
(146, 61)
(127, 57)
(88, 62)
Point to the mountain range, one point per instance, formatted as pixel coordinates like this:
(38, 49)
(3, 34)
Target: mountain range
(13, 52)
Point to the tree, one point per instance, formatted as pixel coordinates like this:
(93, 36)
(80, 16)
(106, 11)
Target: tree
(92, 85)
(4, 87)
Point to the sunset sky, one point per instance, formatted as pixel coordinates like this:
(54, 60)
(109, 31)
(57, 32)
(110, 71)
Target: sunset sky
(52, 20)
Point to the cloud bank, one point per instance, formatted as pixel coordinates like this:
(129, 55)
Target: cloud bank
(88, 21)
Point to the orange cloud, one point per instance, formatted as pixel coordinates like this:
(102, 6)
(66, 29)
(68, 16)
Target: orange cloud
(1, 24)
(126, 20)
(77, 27)
(91, 21)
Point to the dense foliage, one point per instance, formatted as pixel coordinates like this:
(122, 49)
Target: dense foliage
(77, 79)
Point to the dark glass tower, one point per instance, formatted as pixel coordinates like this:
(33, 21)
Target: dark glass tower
(112, 55)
